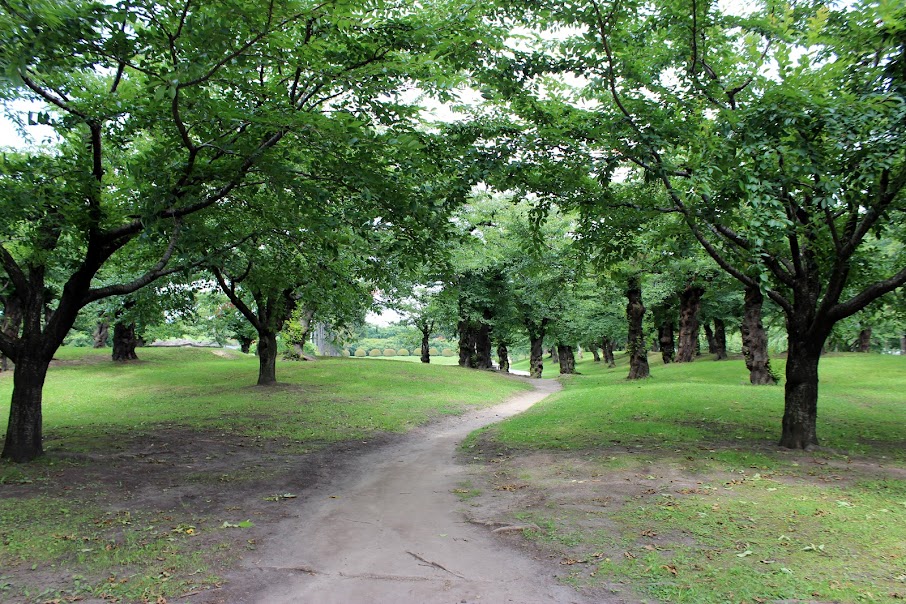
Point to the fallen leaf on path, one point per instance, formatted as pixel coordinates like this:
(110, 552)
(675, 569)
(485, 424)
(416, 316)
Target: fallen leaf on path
(670, 568)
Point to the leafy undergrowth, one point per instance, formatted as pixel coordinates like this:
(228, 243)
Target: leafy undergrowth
(160, 473)
(673, 488)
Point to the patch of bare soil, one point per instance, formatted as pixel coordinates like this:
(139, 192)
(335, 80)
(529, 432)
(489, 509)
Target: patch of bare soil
(183, 477)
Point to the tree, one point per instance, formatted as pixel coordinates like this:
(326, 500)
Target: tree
(783, 169)
(163, 111)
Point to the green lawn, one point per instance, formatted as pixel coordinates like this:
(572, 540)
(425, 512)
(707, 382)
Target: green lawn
(686, 498)
(157, 472)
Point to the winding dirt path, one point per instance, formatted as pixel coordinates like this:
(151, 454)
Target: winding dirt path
(391, 532)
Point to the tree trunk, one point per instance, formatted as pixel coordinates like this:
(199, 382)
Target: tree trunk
(635, 346)
(503, 357)
(594, 352)
(267, 358)
(865, 340)
(755, 340)
(426, 348)
(668, 344)
(555, 355)
(710, 337)
(720, 340)
(101, 331)
(466, 345)
(536, 356)
(607, 350)
(245, 344)
(800, 413)
(23, 433)
(567, 359)
(124, 342)
(12, 321)
(690, 302)
(483, 357)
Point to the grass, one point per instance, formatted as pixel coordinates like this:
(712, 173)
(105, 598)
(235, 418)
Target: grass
(89, 400)
(686, 498)
(72, 525)
(436, 359)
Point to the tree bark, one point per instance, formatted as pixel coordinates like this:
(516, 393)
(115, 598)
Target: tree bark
(864, 341)
(594, 352)
(536, 333)
(635, 346)
(267, 358)
(555, 355)
(800, 412)
(101, 331)
(24, 431)
(607, 350)
(720, 340)
(755, 340)
(466, 344)
(668, 344)
(245, 344)
(483, 355)
(710, 337)
(503, 357)
(426, 339)
(690, 302)
(567, 359)
(124, 342)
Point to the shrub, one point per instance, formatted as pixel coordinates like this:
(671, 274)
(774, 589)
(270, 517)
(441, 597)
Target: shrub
(402, 352)
(374, 352)
(389, 352)
(360, 352)
(448, 352)
(346, 352)
(433, 351)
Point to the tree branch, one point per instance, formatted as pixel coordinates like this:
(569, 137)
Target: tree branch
(53, 100)
(230, 291)
(12, 268)
(867, 296)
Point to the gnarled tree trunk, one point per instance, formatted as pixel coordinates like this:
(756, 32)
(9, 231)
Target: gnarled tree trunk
(800, 414)
(690, 302)
(536, 333)
(594, 352)
(267, 358)
(101, 332)
(720, 340)
(124, 342)
(555, 354)
(426, 329)
(9, 325)
(567, 359)
(245, 343)
(607, 350)
(483, 358)
(635, 345)
(709, 336)
(755, 340)
(864, 341)
(668, 344)
(466, 344)
(503, 357)
(24, 431)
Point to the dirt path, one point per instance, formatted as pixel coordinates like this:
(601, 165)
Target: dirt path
(391, 532)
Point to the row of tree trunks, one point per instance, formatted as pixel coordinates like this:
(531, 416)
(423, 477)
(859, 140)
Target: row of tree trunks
(567, 359)
(755, 340)
(635, 346)
(503, 357)
(667, 342)
(690, 303)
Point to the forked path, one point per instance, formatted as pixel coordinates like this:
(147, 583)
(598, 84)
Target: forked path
(391, 532)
